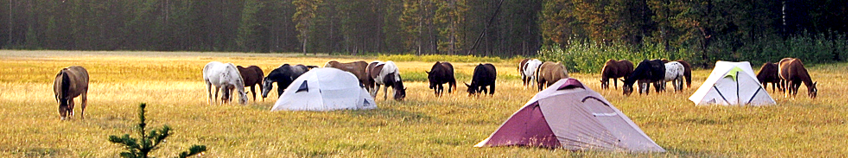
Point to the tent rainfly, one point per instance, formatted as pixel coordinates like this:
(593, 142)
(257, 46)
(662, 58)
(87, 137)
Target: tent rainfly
(732, 83)
(324, 89)
(571, 116)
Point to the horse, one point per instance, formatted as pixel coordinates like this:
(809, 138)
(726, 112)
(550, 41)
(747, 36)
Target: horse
(69, 83)
(687, 71)
(283, 76)
(549, 72)
(674, 73)
(613, 70)
(386, 73)
(648, 71)
(792, 72)
(484, 75)
(441, 73)
(357, 68)
(527, 69)
(222, 76)
(768, 74)
(252, 76)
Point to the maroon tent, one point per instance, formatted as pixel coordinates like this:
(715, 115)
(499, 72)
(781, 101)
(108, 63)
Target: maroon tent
(571, 116)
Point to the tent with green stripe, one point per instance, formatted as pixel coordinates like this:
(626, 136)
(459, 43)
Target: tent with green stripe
(732, 83)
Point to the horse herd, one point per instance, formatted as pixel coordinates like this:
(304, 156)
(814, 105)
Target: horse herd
(788, 75)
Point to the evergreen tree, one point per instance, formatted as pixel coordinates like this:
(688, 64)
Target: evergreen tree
(146, 143)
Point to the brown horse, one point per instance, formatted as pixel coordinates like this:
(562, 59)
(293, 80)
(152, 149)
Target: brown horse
(252, 76)
(69, 83)
(792, 73)
(357, 68)
(613, 70)
(550, 72)
(768, 74)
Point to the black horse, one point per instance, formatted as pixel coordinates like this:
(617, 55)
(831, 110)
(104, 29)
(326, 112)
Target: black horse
(484, 75)
(648, 71)
(284, 76)
(441, 73)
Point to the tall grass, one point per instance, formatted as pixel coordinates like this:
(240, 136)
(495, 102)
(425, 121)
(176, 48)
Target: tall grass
(421, 126)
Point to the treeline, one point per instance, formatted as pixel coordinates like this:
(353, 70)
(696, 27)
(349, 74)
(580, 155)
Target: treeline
(481, 27)
(708, 28)
(701, 31)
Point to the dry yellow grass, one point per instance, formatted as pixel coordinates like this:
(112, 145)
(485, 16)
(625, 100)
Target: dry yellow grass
(421, 126)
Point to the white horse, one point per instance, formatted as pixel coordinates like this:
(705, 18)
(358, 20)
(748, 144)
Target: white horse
(222, 76)
(674, 73)
(530, 71)
(386, 73)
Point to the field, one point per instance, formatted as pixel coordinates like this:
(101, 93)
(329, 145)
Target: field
(420, 126)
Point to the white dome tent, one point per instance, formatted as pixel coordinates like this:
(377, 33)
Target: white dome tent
(732, 83)
(324, 89)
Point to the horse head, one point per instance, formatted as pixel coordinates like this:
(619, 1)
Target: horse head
(400, 91)
(267, 85)
(472, 88)
(628, 88)
(812, 91)
(604, 83)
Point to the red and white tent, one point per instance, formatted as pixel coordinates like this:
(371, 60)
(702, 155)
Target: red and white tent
(571, 116)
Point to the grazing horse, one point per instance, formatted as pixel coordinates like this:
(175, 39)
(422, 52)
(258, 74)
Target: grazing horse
(674, 73)
(613, 70)
(284, 76)
(792, 72)
(768, 74)
(252, 76)
(386, 73)
(441, 73)
(648, 71)
(484, 75)
(69, 83)
(357, 68)
(527, 69)
(549, 73)
(687, 71)
(223, 76)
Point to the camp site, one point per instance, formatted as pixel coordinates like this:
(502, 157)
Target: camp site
(455, 78)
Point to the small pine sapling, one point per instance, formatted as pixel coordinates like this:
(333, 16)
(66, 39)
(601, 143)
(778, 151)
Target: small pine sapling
(140, 148)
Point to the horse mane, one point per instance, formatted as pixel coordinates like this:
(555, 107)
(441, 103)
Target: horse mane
(609, 64)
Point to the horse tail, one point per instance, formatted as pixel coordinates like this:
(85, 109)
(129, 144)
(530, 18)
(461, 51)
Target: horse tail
(687, 72)
(66, 82)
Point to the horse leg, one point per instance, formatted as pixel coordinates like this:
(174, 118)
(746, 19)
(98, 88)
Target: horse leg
(253, 92)
(215, 97)
(492, 90)
(385, 92)
(615, 82)
(84, 102)
(70, 107)
(524, 80)
(209, 99)
(280, 89)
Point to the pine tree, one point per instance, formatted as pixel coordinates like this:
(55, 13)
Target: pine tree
(140, 148)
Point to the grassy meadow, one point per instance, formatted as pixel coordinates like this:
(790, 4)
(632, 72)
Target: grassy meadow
(421, 126)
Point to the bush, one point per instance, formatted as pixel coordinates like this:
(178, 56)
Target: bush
(589, 56)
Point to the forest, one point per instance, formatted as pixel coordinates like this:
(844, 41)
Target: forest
(464, 27)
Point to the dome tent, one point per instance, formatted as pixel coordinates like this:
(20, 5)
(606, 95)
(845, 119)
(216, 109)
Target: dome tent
(732, 83)
(568, 115)
(324, 89)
